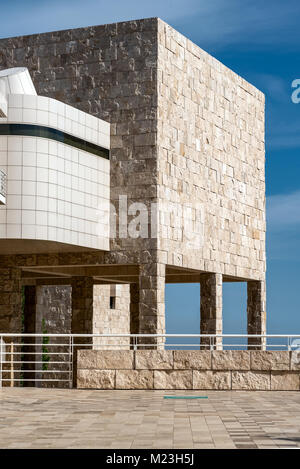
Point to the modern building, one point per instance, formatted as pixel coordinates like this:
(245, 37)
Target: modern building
(133, 159)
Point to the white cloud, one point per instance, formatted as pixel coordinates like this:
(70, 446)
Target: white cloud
(251, 23)
(279, 142)
(43, 16)
(283, 211)
(214, 23)
(283, 227)
(283, 134)
(275, 88)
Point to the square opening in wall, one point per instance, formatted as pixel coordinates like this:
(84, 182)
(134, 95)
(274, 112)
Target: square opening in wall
(112, 302)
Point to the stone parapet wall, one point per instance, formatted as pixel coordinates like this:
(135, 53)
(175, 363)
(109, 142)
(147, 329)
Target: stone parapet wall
(182, 369)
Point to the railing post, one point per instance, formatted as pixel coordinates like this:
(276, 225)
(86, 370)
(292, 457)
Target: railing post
(70, 361)
(11, 364)
(74, 364)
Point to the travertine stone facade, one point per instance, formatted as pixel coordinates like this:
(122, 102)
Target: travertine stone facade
(266, 361)
(48, 310)
(133, 379)
(210, 140)
(252, 380)
(191, 359)
(53, 309)
(218, 380)
(107, 320)
(53, 306)
(106, 360)
(104, 378)
(108, 71)
(182, 369)
(10, 299)
(186, 132)
(232, 360)
(295, 360)
(146, 359)
(284, 380)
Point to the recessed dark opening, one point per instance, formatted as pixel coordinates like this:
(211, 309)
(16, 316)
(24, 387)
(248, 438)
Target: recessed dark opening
(112, 302)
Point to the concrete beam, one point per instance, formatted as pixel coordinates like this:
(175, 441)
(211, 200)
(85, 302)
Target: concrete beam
(88, 271)
(25, 274)
(183, 278)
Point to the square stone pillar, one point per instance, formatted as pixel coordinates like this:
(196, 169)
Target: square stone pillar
(82, 316)
(82, 305)
(53, 316)
(256, 313)
(151, 318)
(11, 319)
(134, 310)
(29, 327)
(211, 308)
(10, 300)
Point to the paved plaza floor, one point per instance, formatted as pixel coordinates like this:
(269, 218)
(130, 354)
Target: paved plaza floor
(58, 418)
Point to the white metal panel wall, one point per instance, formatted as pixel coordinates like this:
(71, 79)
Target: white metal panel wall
(55, 192)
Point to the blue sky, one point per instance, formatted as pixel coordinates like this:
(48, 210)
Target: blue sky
(261, 42)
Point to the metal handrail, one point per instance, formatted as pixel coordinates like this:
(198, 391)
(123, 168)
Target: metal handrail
(36, 361)
(11, 334)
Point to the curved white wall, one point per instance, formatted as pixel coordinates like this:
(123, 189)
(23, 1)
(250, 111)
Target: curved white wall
(17, 81)
(55, 192)
(3, 99)
(14, 81)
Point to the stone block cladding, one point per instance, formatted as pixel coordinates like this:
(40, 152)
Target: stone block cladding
(194, 370)
(186, 132)
(54, 309)
(185, 128)
(110, 71)
(107, 320)
(210, 137)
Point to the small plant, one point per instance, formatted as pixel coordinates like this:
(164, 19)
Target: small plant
(45, 351)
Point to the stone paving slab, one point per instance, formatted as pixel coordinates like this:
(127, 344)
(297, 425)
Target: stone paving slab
(71, 418)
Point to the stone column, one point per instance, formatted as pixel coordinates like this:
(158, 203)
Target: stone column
(30, 301)
(256, 313)
(82, 305)
(82, 315)
(11, 317)
(53, 316)
(10, 300)
(134, 310)
(152, 302)
(211, 321)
